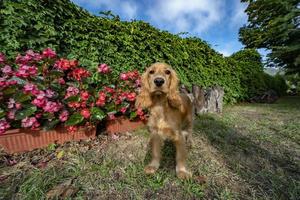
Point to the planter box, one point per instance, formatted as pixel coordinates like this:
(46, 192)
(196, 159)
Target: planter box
(122, 125)
(20, 140)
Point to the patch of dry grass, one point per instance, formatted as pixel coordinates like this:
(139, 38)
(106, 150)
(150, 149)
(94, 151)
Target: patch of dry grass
(249, 152)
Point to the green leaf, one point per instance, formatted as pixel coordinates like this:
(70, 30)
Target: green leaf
(56, 73)
(51, 124)
(2, 113)
(21, 97)
(25, 112)
(73, 99)
(74, 119)
(132, 115)
(10, 90)
(97, 113)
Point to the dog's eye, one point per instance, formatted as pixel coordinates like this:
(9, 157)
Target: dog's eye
(168, 72)
(151, 72)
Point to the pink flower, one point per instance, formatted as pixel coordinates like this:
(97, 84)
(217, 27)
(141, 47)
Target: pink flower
(4, 125)
(49, 53)
(49, 93)
(71, 91)
(72, 128)
(64, 115)
(83, 104)
(139, 112)
(111, 116)
(61, 81)
(101, 99)
(124, 76)
(79, 73)
(123, 109)
(84, 95)
(33, 56)
(104, 68)
(30, 88)
(52, 107)
(28, 122)
(11, 82)
(64, 64)
(74, 104)
(11, 114)
(3, 82)
(35, 126)
(7, 70)
(85, 113)
(40, 101)
(131, 96)
(38, 115)
(109, 89)
(18, 106)
(138, 83)
(11, 103)
(2, 58)
(25, 71)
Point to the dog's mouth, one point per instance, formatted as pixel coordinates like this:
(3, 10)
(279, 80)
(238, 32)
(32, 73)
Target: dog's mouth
(158, 92)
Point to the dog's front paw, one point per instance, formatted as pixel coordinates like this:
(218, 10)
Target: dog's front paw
(184, 174)
(149, 169)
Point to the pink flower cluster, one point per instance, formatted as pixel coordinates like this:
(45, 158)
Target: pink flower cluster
(64, 64)
(49, 53)
(46, 82)
(71, 91)
(30, 122)
(7, 70)
(104, 68)
(63, 116)
(31, 88)
(132, 75)
(4, 125)
(6, 83)
(26, 71)
(2, 58)
(79, 73)
(101, 99)
(30, 56)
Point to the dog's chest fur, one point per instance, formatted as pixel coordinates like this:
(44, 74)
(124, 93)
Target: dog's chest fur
(163, 121)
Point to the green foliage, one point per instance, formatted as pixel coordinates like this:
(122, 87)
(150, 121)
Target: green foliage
(74, 119)
(274, 24)
(75, 33)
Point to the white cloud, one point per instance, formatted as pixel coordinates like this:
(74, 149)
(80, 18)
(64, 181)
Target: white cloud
(229, 47)
(238, 16)
(194, 16)
(126, 9)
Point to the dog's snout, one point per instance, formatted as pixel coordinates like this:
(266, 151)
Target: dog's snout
(159, 82)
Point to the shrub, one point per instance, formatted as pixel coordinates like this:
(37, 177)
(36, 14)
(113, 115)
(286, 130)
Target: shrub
(75, 33)
(43, 90)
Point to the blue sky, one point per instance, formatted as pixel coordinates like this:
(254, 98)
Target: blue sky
(215, 21)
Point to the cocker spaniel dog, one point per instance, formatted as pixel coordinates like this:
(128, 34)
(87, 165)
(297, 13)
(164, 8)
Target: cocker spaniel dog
(171, 115)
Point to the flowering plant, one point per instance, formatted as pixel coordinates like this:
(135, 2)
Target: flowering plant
(42, 90)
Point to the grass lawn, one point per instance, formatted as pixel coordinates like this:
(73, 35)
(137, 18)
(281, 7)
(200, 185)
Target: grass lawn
(251, 151)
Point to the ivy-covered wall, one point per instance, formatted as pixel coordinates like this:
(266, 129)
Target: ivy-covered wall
(75, 33)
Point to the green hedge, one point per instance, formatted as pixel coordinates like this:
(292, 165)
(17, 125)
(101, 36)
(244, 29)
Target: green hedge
(74, 33)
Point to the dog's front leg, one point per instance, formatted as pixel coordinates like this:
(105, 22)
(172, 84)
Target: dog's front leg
(156, 144)
(181, 155)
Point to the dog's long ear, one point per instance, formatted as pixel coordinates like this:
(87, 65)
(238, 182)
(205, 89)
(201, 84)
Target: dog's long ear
(143, 100)
(173, 94)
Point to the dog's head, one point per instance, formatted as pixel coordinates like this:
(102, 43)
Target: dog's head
(158, 80)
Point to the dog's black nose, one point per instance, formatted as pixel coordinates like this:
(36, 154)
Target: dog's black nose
(159, 82)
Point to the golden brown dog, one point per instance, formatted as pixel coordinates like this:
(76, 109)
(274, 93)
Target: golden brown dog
(170, 115)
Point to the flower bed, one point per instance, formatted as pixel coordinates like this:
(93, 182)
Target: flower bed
(43, 91)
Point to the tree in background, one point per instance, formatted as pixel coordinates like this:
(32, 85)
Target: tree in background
(274, 25)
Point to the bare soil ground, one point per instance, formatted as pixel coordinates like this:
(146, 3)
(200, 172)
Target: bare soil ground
(251, 151)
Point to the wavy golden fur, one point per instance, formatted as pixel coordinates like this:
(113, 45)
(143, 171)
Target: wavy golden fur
(170, 115)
